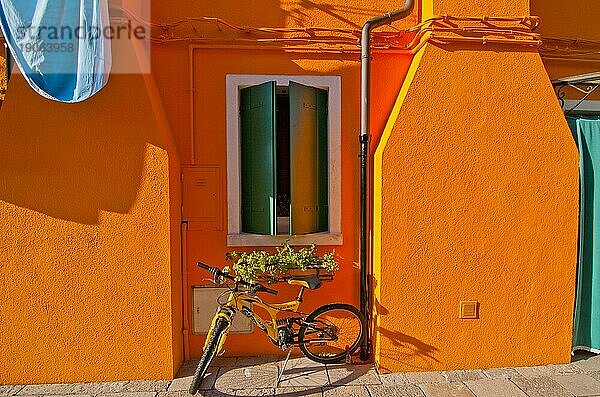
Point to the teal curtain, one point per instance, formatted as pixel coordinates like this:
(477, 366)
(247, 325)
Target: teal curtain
(586, 333)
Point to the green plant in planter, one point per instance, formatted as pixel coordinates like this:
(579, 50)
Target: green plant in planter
(250, 265)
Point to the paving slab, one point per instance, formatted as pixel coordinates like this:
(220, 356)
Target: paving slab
(240, 378)
(579, 384)
(453, 389)
(302, 372)
(393, 378)
(146, 385)
(132, 394)
(99, 388)
(594, 374)
(394, 391)
(425, 377)
(535, 372)
(299, 362)
(223, 362)
(548, 370)
(58, 395)
(355, 375)
(299, 392)
(346, 391)
(560, 369)
(201, 393)
(53, 389)
(494, 388)
(185, 371)
(255, 392)
(183, 383)
(501, 373)
(589, 364)
(9, 390)
(463, 375)
(305, 379)
(258, 360)
(541, 387)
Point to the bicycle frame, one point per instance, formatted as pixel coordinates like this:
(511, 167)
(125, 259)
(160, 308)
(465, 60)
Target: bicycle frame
(240, 301)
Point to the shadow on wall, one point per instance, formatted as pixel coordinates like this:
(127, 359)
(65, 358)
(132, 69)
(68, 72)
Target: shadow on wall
(71, 161)
(274, 13)
(408, 350)
(341, 12)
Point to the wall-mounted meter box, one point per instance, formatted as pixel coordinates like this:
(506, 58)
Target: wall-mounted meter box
(204, 306)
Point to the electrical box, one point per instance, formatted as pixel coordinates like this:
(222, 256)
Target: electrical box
(204, 306)
(203, 197)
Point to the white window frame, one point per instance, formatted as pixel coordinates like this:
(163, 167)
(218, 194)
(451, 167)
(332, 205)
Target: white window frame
(235, 237)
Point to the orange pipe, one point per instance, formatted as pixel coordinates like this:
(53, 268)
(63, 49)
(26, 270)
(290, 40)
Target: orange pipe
(192, 89)
(186, 295)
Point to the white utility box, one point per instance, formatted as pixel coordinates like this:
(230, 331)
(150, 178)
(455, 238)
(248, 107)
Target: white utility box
(204, 305)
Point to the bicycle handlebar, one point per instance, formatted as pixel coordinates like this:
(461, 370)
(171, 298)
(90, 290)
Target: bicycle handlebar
(218, 273)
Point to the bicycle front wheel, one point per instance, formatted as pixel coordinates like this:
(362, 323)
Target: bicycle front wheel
(331, 332)
(216, 334)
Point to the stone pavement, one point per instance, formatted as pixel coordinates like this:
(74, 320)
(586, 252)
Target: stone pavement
(257, 376)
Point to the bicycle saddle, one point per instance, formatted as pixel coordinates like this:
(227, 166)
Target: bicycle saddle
(310, 282)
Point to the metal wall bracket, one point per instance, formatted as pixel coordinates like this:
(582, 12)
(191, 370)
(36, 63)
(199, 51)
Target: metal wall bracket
(585, 84)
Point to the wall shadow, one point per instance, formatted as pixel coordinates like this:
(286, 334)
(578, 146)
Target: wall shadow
(406, 349)
(347, 14)
(69, 161)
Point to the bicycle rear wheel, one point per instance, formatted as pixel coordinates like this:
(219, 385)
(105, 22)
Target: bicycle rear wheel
(212, 345)
(331, 332)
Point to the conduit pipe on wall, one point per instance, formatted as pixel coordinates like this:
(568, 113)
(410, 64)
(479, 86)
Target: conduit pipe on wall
(8, 60)
(365, 118)
(186, 295)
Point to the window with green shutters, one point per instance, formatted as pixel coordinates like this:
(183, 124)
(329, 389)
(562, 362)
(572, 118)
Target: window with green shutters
(284, 159)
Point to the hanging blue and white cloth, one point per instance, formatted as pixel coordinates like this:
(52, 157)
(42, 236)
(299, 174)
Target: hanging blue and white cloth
(60, 46)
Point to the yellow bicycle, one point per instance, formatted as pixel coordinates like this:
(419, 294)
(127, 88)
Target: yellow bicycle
(327, 335)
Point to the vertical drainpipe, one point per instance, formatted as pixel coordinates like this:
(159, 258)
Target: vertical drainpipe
(365, 116)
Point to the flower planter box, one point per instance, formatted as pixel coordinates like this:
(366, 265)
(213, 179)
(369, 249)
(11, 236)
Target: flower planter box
(322, 274)
(284, 263)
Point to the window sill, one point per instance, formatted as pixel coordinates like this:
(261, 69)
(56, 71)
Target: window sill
(259, 240)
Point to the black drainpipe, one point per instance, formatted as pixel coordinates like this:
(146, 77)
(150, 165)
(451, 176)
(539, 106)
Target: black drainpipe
(365, 116)
(8, 60)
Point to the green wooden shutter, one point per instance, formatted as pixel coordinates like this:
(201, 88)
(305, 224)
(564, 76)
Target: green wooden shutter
(309, 162)
(258, 165)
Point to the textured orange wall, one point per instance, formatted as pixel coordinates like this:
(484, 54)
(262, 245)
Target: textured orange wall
(89, 203)
(89, 265)
(479, 183)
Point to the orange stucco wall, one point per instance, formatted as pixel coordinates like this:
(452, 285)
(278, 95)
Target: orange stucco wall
(89, 263)
(476, 172)
(479, 183)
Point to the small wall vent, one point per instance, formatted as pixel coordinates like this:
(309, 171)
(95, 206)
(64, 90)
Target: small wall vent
(469, 309)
